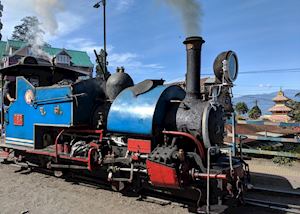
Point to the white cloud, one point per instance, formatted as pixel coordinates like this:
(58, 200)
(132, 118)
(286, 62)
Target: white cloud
(47, 11)
(68, 23)
(131, 61)
(12, 15)
(83, 44)
(120, 58)
(15, 10)
(124, 5)
(265, 85)
(127, 59)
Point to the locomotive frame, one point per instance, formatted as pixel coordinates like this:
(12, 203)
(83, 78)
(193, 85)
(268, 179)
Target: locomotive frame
(144, 136)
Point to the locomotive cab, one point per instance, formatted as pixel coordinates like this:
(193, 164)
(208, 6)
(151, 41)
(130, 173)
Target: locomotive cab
(47, 96)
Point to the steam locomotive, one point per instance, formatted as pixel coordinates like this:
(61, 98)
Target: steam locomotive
(149, 136)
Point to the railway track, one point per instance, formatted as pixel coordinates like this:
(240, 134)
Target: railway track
(285, 201)
(274, 201)
(269, 199)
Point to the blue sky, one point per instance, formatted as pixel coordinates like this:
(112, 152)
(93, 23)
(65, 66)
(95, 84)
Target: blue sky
(146, 37)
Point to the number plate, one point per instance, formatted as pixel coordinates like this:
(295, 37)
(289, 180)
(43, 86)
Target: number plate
(18, 119)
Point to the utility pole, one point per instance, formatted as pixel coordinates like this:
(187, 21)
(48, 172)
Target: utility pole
(104, 32)
(1, 25)
(233, 124)
(103, 53)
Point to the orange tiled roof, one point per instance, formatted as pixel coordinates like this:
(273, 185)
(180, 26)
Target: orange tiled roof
(277, 108)
(252, 129)
(280, 118)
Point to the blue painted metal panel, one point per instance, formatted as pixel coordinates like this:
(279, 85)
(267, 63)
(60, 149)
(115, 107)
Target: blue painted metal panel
(138, 114)
(94, 96)
(47, 98)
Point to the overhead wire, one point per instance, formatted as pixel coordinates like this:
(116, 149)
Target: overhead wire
(253, 72)
(287, 70)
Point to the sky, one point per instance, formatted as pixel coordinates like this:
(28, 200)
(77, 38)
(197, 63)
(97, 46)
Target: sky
(145, 36)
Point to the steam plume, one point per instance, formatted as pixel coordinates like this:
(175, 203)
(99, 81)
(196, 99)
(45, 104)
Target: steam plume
(35, 38)
(190, 12)
(46, 10)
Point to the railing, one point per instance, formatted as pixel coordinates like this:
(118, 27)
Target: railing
(264, 138)
(258, 151)
(241, 137)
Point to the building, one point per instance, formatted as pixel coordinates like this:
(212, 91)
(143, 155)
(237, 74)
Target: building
(12, 51)
(280, 111)
(260, 133)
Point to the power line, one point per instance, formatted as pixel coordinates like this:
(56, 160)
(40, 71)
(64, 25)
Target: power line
(288, 70)
(265, 86)
(269, 71)
(292, 70)
(254, 98)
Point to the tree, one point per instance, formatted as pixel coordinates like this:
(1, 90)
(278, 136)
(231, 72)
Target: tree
(241, 108)
(255, 112)
(28, 30)
(295, 113)
(295, 106)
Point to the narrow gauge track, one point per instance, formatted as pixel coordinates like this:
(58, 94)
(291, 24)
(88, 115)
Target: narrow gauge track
(253, 198)
(285, 201)
(146, 195)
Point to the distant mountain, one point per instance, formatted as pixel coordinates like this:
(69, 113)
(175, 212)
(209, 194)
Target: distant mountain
(265, 100)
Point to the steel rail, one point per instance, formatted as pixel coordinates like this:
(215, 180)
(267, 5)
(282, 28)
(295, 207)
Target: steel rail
(286, 207)
(276, 191)
(274, 205)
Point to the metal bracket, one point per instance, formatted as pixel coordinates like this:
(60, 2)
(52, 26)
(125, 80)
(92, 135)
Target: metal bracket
(57, 110)
(42, 110)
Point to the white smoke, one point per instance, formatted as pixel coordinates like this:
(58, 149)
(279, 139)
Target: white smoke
(46, 11)
(191, 14)
(35, 38)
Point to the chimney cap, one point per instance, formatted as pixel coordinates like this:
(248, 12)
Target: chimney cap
(193, 39)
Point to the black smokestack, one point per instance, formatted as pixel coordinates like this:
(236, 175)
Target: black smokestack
(193, 48)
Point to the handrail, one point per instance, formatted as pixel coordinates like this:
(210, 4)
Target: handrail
(56, 99)
(208, 180)
(56, 142)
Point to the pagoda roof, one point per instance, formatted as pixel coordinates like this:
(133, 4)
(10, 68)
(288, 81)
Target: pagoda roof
(280, 97)
(277, 108)
(280, 118)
